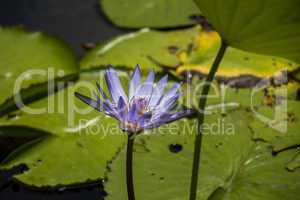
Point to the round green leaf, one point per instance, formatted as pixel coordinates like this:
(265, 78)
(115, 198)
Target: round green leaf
(150, 13)
(235, 62)
(79, 145)
(140, 48)
(232, 165)
(262, 26)
(32, 58)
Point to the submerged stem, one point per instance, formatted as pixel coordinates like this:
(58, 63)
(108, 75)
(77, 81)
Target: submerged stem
(129, 174)
(202, 104)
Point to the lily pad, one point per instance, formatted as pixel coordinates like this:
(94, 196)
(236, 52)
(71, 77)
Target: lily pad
(140, 48)
(232, 165)
(150, 13)
(81, 140)
(29, 58)
(222, 98)
(185, 50)
(262, 176)
(278, 125)
(236, 63)
(261, 26)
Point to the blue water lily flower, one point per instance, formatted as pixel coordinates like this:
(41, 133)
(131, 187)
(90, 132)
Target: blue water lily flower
(147, 106)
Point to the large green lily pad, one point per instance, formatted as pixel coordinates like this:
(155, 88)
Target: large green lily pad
(273, 115)
(235, 62)
(191, 49)
(29, 58)
(140, 48)
(232, 165)
(79, 145)
(261, 26)
(150, 13)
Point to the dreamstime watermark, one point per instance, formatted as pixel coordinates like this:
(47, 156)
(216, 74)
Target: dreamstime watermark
(76, 114)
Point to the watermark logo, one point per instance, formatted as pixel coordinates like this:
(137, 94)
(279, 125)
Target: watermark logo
(64, 102)
(276, 100)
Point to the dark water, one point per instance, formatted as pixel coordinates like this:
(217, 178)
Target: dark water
(10, 189)
(77, 22)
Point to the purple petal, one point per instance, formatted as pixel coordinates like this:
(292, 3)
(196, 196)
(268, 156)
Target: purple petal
(167, 104)
(135, 81)
(133, 113)
(107, 105)
(145, 90)
(170, 94)
(158, 91)
(95, 104)
(168, 118)
(173, 90)
(144, 119)
(165, 107)
(99, 105)
(114, 85)
(122, 109)
(101, 91)
(179, 115)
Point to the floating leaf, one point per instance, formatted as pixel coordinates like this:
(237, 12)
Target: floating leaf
(34, 92)
(80, 144)
(278, 124)
(222, 98)
(262, 176)
(31, 58)
(236, 63)
(232, 165)
(186, 50)
(140, 48)
(261, 26)
(273, 111)
(150, 13)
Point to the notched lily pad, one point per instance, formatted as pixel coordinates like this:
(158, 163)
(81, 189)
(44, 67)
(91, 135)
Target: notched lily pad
(231, 165)
(168, 178)
(188, 51)
(81, 140)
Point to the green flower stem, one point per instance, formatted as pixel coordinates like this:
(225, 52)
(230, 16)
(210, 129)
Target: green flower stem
(202, 104)
(129, 174)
